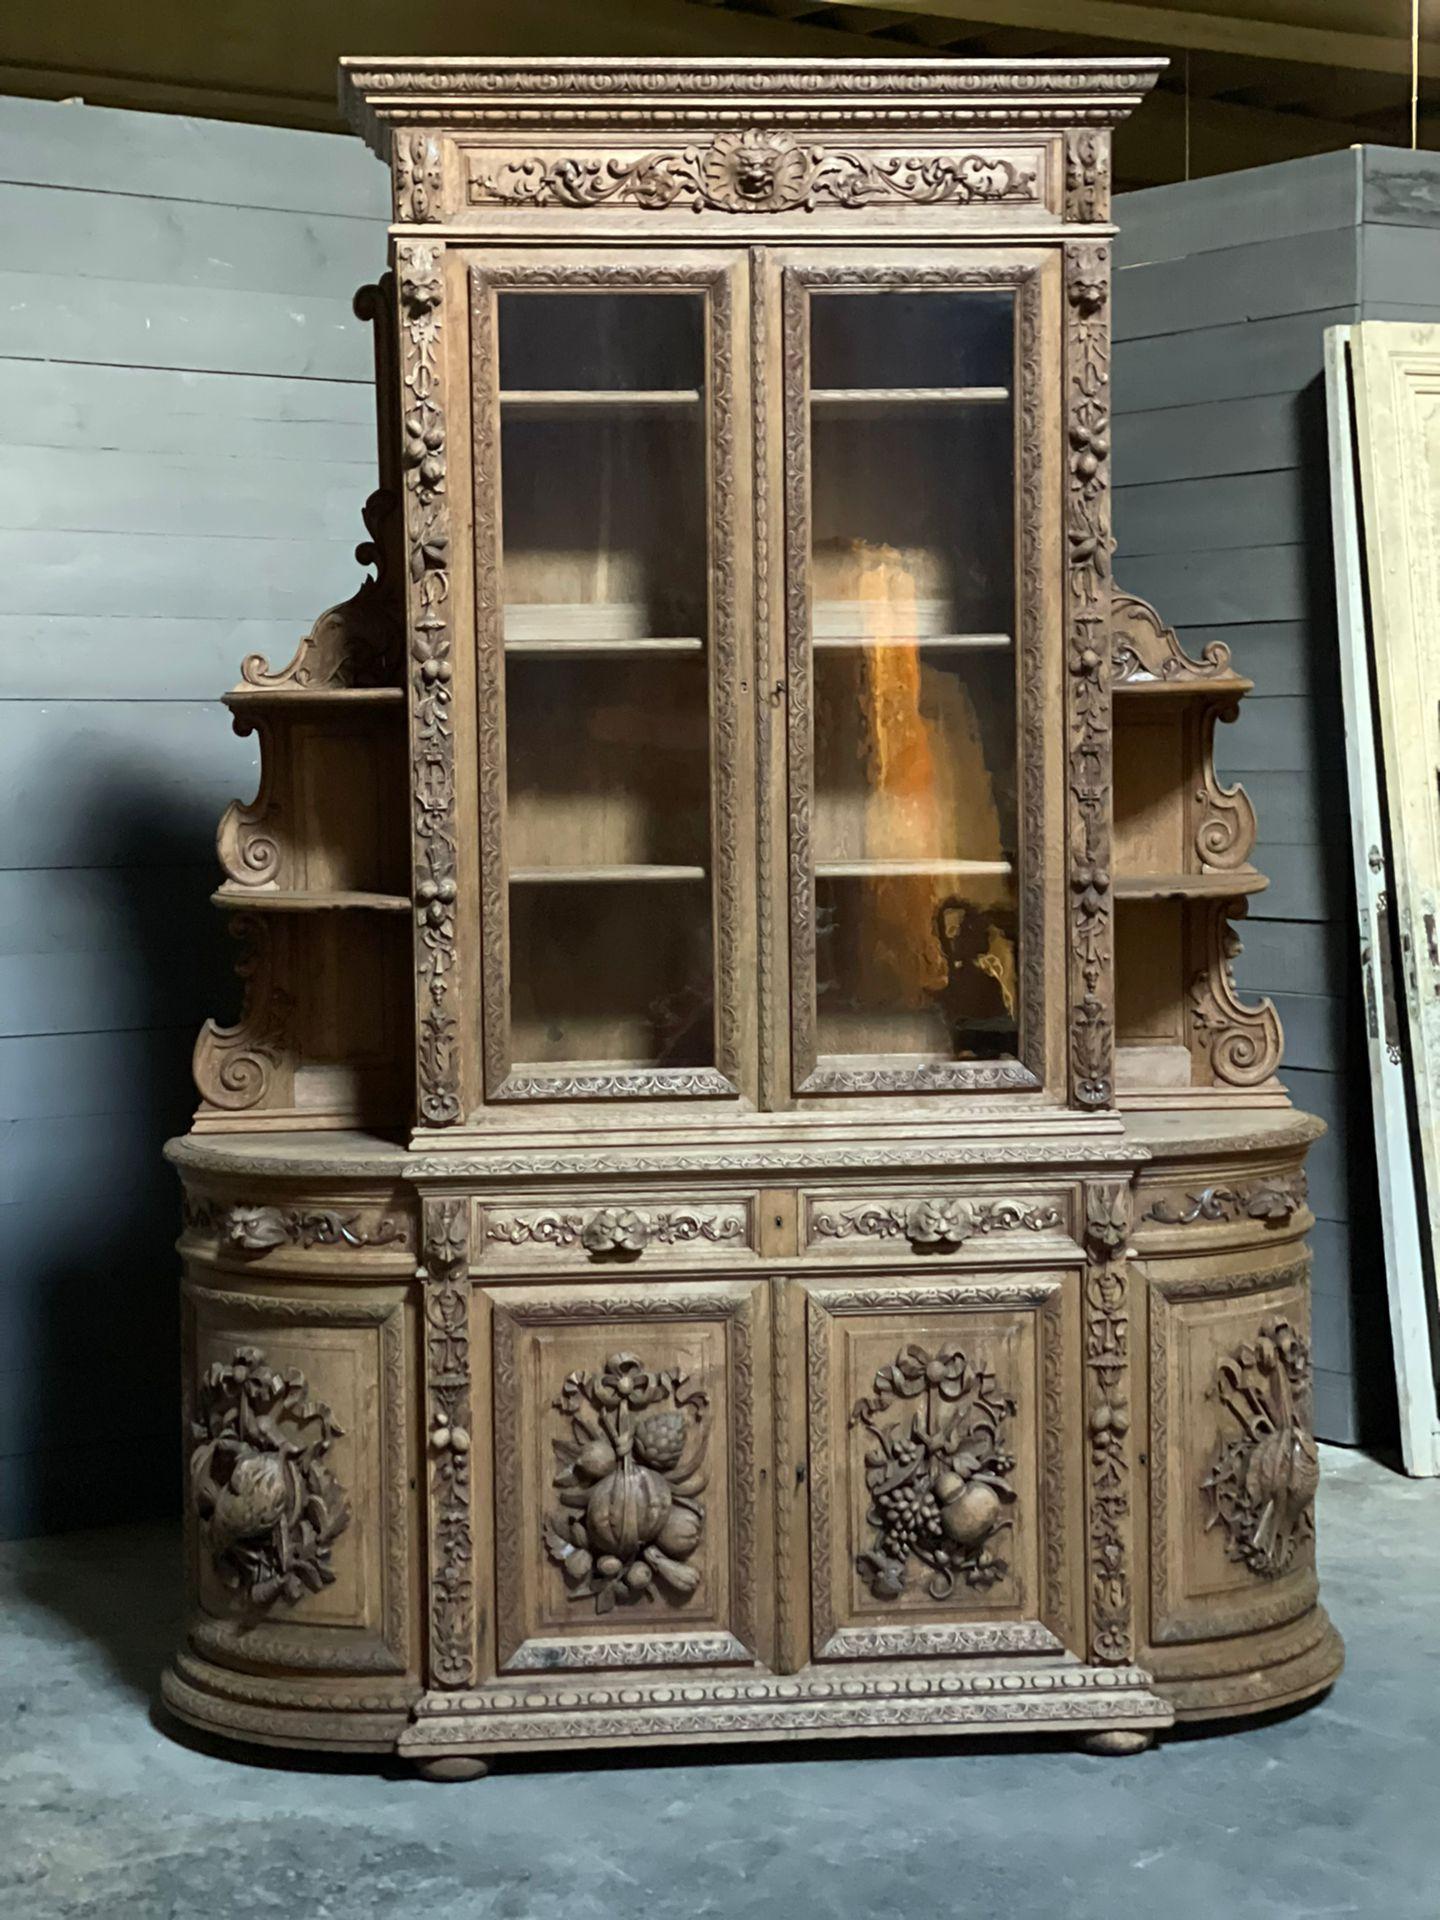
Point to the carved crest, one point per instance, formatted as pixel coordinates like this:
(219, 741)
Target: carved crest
(1263, 1476)
(938, 1481)
(629, 1482)
(269, 1507)
(754, 171)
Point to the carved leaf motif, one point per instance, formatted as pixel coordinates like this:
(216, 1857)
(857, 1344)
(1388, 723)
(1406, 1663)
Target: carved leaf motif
(269, 1507)
(938, 1481)
(629, 1475)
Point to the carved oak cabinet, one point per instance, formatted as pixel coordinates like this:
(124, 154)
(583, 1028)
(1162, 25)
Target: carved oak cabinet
(743, 1201)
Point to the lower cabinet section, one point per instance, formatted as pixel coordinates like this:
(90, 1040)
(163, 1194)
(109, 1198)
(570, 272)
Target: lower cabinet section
(633, 1522)
(1056, 1476)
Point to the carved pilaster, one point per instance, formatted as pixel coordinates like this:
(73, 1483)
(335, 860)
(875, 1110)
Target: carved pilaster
(251, 1064)
(1088, 543)
(432, 738)
(418, 177)
(1241, 1041)
(1109, 1470)
(445, 1274)
(1087, 175)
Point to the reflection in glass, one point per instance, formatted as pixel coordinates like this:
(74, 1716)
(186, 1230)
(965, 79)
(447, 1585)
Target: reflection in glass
(605, 582)
(914, 820)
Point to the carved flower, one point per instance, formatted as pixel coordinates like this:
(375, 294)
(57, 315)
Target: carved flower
(754, 171)
(625, 1382)
(1271, 1203)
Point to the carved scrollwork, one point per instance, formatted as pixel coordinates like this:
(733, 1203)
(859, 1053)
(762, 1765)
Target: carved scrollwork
(359, 642)
(1253, 1200)
(1241, 1041)
(618, 1230)
(432, 742)
(269, 1508)
(1142, 647)
(1263, 1476)
(938, 1482)
(1224, 818)
(1087, 533)
(256, 1229)
(755, 171)
(629, 1478)
(246, 1065)
(937, 1223)
(248, 838)
(1107, 1415)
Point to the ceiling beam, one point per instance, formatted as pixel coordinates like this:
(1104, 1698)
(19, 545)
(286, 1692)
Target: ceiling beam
(1166, 27)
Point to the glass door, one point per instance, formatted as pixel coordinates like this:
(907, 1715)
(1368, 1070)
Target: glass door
(608, 681)
(913, 620)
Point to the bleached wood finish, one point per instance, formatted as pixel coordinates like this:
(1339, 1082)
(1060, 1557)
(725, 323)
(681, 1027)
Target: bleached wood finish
(816, 1385)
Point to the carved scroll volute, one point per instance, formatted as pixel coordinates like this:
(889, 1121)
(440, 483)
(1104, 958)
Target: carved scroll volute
(432, 736)
(1224, 820)
(1089, 731)
(1240, 1041)
(1109, 1492)
(1142, 647)
(251, 1064)
(444, 1273)
(247, 840)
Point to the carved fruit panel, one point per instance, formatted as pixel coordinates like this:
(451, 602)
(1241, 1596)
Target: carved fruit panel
(1233, 1451)
(626, 1462)
(298, 1413)
(939, 1467)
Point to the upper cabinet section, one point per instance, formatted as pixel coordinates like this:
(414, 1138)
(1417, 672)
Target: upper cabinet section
(507, 147)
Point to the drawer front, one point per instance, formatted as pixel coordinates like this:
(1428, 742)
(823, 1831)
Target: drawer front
(945, 1461)
(603, 1232)
(838, 1223)
(632, 1435)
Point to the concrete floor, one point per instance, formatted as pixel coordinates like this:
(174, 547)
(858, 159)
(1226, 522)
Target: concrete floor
(105, 1814)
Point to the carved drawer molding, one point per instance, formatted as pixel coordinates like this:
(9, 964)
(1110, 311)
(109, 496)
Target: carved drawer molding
(297, 1411)
(1274, 1197)
(255, 1228)
(1232, 1464)
(615, 1233)
(940, 1480)
(841, 1223)
(630, 1434)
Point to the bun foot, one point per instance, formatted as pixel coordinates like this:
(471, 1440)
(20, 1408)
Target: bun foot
(452, 1766)
(1117, 1741)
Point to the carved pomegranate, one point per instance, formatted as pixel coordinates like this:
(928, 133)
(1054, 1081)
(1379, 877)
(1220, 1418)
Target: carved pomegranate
(970, 1515)
(627, 1509)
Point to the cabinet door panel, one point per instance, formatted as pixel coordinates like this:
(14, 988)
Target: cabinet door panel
(941, 1487)
(613, 742)
(631, 1436)
(921, 575)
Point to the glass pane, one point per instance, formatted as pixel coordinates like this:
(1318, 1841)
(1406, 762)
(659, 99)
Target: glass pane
(604, 578)
(914, 822)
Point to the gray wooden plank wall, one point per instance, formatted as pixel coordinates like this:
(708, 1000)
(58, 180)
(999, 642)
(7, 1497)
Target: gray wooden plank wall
(186, 437)
(1223, 291)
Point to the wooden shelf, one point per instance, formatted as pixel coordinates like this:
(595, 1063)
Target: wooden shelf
(900, 869)
(309, 699)
(1189, 886)
(289, 900)
(866, 399)
(571, 876)
(578, 400)
(924, 643)
(1218, 686)
(599, 645)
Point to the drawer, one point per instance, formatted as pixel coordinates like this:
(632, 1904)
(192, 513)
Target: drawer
(599, 1231)
(841, 1224)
